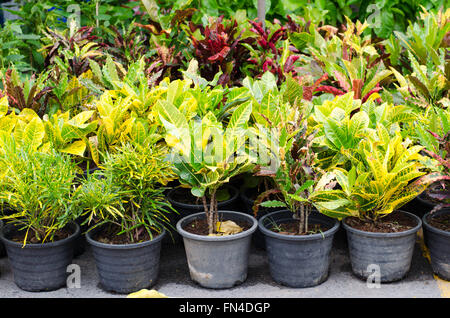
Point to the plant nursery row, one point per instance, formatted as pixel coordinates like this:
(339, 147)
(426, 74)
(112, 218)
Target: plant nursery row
(131, 124)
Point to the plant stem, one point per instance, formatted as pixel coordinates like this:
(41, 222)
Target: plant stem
(302, 219)
(208, 212)
(213, 212)
(308, 211)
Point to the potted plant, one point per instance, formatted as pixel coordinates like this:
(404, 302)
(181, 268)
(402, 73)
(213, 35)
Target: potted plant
(431, 131)
(205, 156)
(252, 193)
(39, 236)
(298, 239)
(385, 173)
(436, 223)
(125, 206)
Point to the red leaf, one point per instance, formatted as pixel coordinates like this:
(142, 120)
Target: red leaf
(290, 63)
(373, 90)
(276, 35)
(221, 55)
(324, 77)
(342, 81)
(258, 27)
(442, 161)
(329, 89)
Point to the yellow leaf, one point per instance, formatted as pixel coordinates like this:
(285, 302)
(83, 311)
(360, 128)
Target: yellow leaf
(76, 148)
(81, 118)
(3, 106)
(34, 133)
(7, 123)
(228, 228)
(27, 115)
(145, 293)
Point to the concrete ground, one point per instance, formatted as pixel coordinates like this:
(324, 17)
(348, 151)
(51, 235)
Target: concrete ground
(174, 280)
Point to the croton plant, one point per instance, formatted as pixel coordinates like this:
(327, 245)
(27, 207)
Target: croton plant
(352, 113)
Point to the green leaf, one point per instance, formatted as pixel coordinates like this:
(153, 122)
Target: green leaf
(420, 86)
(379, 76)
(240, 116)
(304, 186)
(198, 192)
(273, 204)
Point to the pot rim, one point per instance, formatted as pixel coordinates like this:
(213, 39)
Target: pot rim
(186, 234)
(96, 243)
(9, 242)
(200, 206)
(310, 237)
(431, 228)
(384, 235)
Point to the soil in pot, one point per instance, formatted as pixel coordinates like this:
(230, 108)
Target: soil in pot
(109, 235)
(200, 226)
(291, 228)
(392, 223)
(19, 236)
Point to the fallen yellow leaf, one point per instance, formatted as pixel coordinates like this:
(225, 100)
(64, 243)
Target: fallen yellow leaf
(145, 293)
(228, 227)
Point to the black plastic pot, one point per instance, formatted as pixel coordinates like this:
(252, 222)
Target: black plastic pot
(126, 268)
(5, 211)
(80, 241)
(40, 267)
(2, 246)
(185, 209)
(438, 243)
(392, 252)
(218, 261)
(298, 260)
(424, 204)
(258, 237)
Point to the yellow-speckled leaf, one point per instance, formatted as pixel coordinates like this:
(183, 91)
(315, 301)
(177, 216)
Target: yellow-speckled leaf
(7, 123)
(93, 149)
(3, 106)
(27, 114)
(34, 133)
(138, 132)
